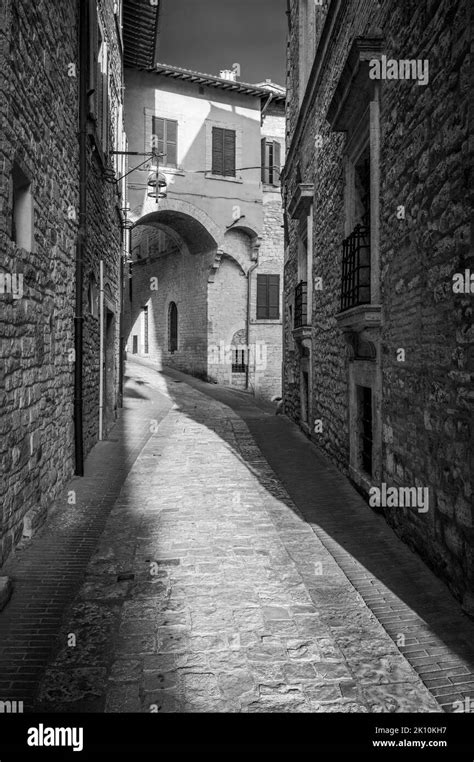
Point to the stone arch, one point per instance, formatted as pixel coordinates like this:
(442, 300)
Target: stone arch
(250, 232)
(172, 211)
(240, 245)
(170, 233)
(239, 337)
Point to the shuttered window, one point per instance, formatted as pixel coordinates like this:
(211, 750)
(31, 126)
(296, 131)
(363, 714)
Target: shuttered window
(268, 297)
(103, 93)
(165, 140)
(271, 161)
(98, 78)
(223, 152)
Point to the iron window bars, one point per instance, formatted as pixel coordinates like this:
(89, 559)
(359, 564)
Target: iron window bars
(356, 268)
(301, 301)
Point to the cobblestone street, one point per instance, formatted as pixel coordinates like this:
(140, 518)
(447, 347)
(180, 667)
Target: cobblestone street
(237, 378)
(210, 590)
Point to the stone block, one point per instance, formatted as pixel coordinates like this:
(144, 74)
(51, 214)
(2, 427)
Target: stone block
(6, 589)
(32, 520)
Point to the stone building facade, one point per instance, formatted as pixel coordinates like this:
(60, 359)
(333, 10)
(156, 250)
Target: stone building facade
(60, 203)
(207, 255)
(378, 337)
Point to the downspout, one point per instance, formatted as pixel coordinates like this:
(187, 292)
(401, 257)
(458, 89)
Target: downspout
(124, 265)
(81, 239)
(101, 351)
(121, 326)
(249, 294)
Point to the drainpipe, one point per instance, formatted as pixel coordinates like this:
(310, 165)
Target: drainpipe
(101, 352)
(81, 238)
(250, 271)
(122, 317)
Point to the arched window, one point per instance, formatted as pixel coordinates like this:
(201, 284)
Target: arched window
(172, 327)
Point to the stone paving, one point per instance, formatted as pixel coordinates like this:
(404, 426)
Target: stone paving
(48, 570)
(210, 592)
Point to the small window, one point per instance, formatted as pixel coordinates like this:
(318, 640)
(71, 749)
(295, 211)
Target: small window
(268, 297)
(223, 152)
(164, 140)
(172, 327)
(271, 162)
(238, 361)
(22, 209)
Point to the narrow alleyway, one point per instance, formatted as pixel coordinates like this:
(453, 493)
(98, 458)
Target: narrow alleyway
(237, 571)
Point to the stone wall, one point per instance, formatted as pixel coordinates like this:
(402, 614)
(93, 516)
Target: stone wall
(104, 243)
(427, 404)
(182, 279)
(212, 303)
(39, 115)
(427, 399)
(217, 224)
(268, 378)
(227, 317)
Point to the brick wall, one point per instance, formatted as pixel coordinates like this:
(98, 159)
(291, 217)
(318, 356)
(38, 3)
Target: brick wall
(427, 400)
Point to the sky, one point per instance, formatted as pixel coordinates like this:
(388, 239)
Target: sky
(210, 35)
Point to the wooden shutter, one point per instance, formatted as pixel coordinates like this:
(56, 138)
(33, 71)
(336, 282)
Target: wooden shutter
(93, 56)
(268, 297)
(217, 151)
(276, 162)
(229, 153)
(265, 167)
(99, 90)
(158, 130)
(171, 141)
(274, 297)
(102, 92)
(106, 101)
(262, 297)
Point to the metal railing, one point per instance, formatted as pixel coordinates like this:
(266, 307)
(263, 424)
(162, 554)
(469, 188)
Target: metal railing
(301, 302)
(355, 288)
(238, 361)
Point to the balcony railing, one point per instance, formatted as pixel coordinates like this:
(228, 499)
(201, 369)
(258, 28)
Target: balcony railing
(301, 302)
(356, 268)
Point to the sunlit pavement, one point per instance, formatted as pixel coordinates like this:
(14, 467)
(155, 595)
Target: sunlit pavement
(213, 590)
(236, 571)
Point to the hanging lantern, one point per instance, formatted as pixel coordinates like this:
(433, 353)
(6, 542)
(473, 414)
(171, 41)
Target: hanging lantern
(153, 181)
